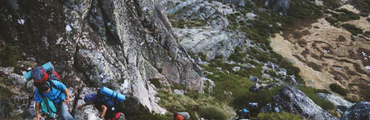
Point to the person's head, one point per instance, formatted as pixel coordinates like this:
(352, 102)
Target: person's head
(90, 98)
(43, 87)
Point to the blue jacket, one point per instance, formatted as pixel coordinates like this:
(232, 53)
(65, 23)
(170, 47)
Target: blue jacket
(55, 94)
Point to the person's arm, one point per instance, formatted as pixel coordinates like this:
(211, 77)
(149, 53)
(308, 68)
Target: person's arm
(104, 109)
(37, 107)
(67, 96)
(80, 106)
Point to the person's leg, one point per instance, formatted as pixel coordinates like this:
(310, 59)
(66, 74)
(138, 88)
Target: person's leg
(63, 113)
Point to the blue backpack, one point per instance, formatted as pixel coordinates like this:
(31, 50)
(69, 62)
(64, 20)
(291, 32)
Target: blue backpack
(103, 99)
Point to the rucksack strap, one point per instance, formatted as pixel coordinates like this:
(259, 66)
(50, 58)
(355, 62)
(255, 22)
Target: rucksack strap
(52, 85)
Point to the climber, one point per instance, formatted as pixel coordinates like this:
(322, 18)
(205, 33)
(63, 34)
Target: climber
(110, 109)
(242, 114)
(253, 109)
(48, 89)
(58, 95)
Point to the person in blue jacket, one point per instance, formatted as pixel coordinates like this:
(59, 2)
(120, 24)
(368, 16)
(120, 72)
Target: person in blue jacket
(54, 90)
(110, 109)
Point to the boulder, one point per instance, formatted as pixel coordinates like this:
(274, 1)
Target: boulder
(257, 87)
(359, 111)
(342, 104)
(253, 78)
(292, 100)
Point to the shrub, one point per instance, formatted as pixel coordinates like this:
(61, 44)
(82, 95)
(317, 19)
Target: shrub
(367, 33)
(332, 4)
(326, 104)
(314, 66)
(212, 112)
(304, 9)
(155, 82)
(338, 89)
(353, 29)
(272, 73)
(238, 55)
(348, 15)
(277, 116)
(363, 6)
(332, 21)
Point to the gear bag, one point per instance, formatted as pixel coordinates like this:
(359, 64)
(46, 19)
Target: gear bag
(42, 73)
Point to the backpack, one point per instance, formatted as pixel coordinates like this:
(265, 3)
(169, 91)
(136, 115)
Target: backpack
(245, 113)
(253, 105)
(103, 99)
(39, 75)
(178, 117)
(114, 106)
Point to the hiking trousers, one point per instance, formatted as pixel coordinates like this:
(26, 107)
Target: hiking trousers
(62, 112)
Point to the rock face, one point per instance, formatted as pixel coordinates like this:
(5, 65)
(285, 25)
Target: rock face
(342, 104)
(210, 38)
(292, 100)
(119, 43)
(359, 111)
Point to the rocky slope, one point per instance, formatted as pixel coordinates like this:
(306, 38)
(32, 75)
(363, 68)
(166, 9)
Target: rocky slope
(122, 44)
(142, 47)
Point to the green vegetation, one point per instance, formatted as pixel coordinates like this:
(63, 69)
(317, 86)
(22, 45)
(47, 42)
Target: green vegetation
(195, 103)
(332, 21)
(263, 97)
(352, 28)
(332, 4)
(363, 6)
(311, 93)
(367, 33)
(338, 89)
(9, 56)
(304, 10)
(345, 15)
(212, 112)
(233, 86)
(188, 23)
(156, 83)
(278, 116)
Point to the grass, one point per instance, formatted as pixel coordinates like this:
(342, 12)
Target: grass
(195, 103)
(277, 116)
(212, 112)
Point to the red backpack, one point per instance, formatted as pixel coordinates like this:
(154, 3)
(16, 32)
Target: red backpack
(39, 75)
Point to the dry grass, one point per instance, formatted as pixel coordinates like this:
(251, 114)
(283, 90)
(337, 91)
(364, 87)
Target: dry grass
(324, 48)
